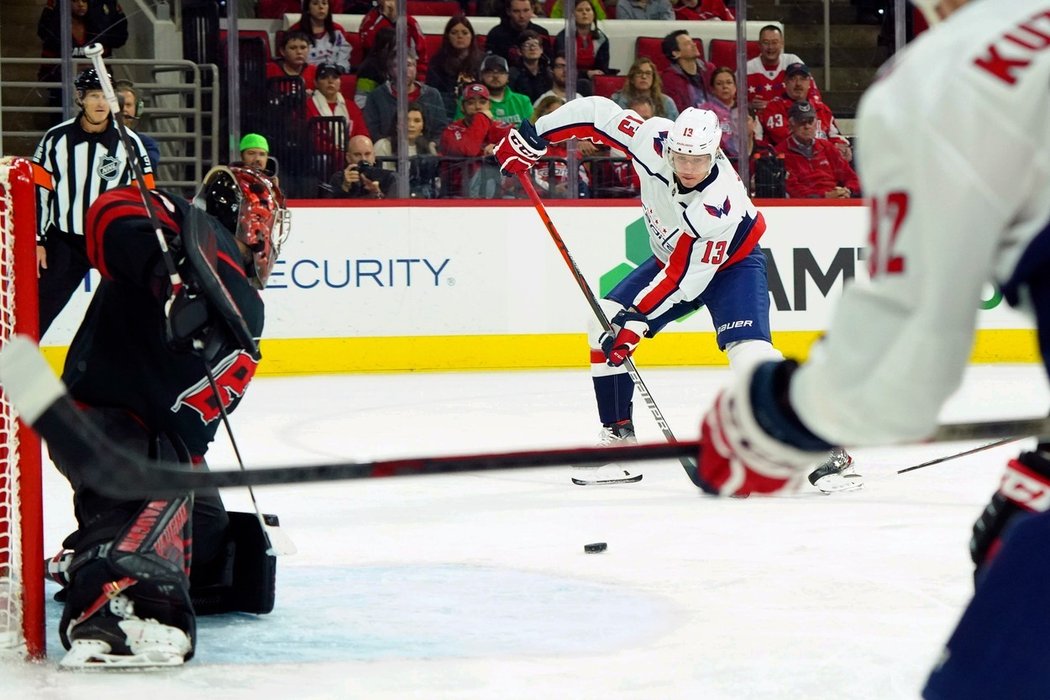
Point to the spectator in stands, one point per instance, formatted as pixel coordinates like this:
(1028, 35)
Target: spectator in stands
(644, 9)
(384, 15)
(551, 174)
(592, 45)
(93, 21)
(255, 153)
(293, 50)
(684, 80)
(329, 43)
(531, 75)
(702, 10)
(422, 154)
(558, 10)
(507, 106)
(473, 137)
(362, 178)
(502, 39)
(815, 168)
(457, 63)
(765, 72)
(372, 71)
(797, 85)
(131, 106)
(723, 103)
(643, 80)
(381, 105)
(328, 101)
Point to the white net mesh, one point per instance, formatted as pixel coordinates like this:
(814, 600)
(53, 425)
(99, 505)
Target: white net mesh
(10, 560)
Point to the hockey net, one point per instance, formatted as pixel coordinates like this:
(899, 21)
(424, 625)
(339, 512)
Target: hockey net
(21, 518)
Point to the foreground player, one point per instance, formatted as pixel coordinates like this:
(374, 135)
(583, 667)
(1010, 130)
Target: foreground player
(954, 152)
(137, 365)
(703, 231)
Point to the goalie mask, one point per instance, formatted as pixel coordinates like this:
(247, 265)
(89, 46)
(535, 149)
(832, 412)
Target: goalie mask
(249, 204)
(695, 133)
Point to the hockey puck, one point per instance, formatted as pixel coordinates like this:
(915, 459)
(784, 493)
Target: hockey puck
(595, 547)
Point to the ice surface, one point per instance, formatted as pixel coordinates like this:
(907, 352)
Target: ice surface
(477, 585)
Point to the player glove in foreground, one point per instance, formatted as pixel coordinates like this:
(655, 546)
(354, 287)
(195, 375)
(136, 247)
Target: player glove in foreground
(520, 149)
(751, 441)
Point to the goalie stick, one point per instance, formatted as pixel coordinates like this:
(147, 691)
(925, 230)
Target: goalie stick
(41, 400)
(688, 462)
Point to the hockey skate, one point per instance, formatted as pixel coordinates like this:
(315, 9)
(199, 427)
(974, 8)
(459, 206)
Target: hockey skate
(836, 473)
(115, 637)
(618, 434)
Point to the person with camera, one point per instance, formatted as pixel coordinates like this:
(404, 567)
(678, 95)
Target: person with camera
(362, 178)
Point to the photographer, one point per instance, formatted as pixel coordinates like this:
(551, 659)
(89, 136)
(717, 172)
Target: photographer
(362, 178)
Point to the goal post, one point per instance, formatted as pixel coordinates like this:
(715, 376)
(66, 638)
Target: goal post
(21, 502)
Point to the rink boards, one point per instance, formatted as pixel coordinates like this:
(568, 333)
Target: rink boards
(431, 287)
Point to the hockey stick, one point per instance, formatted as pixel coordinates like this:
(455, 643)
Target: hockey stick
(688, 463)
(975, 450)
(42, 402)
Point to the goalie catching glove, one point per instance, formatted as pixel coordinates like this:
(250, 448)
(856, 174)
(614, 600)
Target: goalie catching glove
(628, 329)
(520, 149)
(751, 440)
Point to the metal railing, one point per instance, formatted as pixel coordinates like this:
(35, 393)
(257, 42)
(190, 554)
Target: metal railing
(182, 113)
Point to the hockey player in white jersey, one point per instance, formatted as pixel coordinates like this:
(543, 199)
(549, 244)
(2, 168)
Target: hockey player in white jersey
(955, 154)
(703, 231)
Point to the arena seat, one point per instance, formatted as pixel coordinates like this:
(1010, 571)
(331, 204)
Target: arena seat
(606, 85)
(439, 8)
(261, 34)
(649, 46)
(723, 52)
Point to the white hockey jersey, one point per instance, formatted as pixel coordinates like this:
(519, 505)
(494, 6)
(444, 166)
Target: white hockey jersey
(954, 152)
(693, 233)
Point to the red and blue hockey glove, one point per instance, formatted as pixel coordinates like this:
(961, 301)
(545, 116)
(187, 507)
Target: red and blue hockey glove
(751, 441)
(520, 149)
(1024, 490)
(628, 329)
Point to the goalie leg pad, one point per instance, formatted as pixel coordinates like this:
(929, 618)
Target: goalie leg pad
(243, 577)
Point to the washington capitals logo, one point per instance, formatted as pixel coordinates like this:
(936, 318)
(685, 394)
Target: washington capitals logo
(718, 212)
(658, 142)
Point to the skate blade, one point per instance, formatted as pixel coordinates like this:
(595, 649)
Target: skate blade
(839, 483)
(93, 655)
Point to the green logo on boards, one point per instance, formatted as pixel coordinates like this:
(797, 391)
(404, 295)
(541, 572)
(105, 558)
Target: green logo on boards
(636, 244)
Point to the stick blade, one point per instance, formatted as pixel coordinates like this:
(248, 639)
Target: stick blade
(27, 379)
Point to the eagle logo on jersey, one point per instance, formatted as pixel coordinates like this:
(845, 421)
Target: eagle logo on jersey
(109, 168)
(658, 143)
(718, 212)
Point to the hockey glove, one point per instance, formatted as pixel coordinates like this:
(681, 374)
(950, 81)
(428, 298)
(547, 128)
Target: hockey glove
(1024, 489)
(751, 441)
(187, 319)
(520, 149)
(628, 329)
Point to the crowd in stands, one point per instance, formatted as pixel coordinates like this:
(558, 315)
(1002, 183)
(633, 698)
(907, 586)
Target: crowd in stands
(334, 92)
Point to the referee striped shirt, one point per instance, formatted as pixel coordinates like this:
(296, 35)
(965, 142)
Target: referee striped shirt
(72, 168)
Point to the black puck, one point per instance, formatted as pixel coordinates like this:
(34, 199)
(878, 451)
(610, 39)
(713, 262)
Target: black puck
(595, 547)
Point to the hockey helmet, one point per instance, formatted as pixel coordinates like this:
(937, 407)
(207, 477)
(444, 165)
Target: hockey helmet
(696, 132)
(87, 79)
(251, 206)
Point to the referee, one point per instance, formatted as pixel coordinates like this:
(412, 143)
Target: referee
(75, 162)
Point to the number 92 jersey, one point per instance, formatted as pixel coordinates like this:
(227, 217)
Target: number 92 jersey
(693, 232)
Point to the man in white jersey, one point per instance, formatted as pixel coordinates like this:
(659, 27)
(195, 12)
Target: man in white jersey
(703, 231)
(955, 154)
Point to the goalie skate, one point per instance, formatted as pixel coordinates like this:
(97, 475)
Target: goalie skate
(618, 435)
(836, 473)
(118, 639)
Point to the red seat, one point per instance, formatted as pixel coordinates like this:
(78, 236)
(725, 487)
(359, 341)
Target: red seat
(606, 85)
(433, 42)
(649, 46)
(356, 52)
(723, 52)
(348, 86)
(276, 9)
(439, 8)
(249, 34)
(481, 39)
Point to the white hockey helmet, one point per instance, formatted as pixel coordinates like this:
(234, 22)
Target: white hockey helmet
(696, 132)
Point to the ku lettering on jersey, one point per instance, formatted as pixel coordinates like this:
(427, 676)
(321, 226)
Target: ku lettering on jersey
(692, 232)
